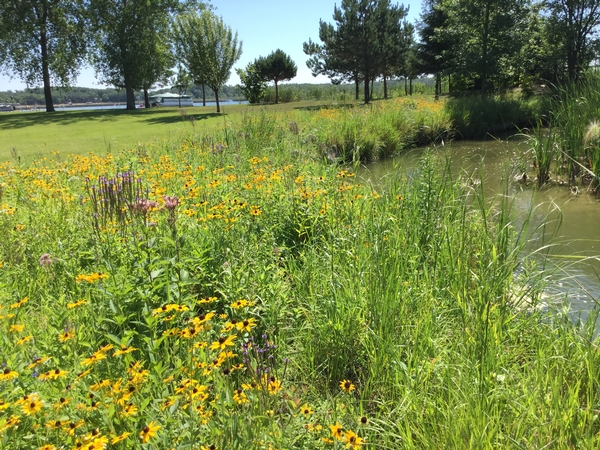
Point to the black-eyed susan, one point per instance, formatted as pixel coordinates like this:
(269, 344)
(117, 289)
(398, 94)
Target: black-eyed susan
(119, 438)
(32, 405)
(70, 427)
(149, 431)
(4, 405)
(352, 439)
(8, 374)
(337, 431)
(24, 340)
(223, 342)
(246, 324)
(66, 335)
(306, 410)
(16, 328)
(124, 350)
(19, 303)
(347, 386)
(48, 447)
(76, 304)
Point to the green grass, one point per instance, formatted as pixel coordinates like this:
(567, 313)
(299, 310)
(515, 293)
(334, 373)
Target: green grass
(415, 294)
(34, 135)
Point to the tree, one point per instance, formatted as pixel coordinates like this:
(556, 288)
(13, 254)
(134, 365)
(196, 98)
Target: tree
(485, 40)
(357, 47)
(42, 41)
(131, 48)
(433, 49)
(207, 48)
(253, 85)
(276, 67)
(394, 40)
(575, 21)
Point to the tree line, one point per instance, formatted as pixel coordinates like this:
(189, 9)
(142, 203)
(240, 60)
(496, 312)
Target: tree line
(484, 45)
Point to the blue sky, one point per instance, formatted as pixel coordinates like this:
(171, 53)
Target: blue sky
(263, 26)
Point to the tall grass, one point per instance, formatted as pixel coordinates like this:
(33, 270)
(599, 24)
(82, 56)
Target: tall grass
(269, 300)
(572, 111)
(474, 116)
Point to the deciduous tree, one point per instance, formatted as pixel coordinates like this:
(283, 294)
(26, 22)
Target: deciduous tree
(207, 48)
(42, 41)
(131, 51)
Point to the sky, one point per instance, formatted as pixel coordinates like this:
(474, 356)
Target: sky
(263, 26)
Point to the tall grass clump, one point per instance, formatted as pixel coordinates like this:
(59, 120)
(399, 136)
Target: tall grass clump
(347, 133)
(572, 109)
(214, 292)
(474, 116)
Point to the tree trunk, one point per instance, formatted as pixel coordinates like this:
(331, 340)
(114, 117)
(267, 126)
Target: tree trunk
(367, 94)
(46, 67)
(217, 100)
(146, 99)
(410, 85)
(276, 93)
(405, 87)
(203, 96)
(130, 97)
(356, 88)
(385, 87)
(484, 49)
(437, 86)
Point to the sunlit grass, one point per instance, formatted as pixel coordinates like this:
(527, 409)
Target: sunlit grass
(231, 290)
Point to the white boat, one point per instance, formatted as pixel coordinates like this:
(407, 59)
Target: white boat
(169, 99)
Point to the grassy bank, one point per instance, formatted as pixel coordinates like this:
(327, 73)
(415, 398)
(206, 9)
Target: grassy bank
(231, 290)
(343, 131)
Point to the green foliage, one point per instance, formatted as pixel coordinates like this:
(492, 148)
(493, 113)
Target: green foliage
(43, 42)
(131, 51)
(278, 299)
(475, 116)
(276, 67)
(207, 48)
(252, 84)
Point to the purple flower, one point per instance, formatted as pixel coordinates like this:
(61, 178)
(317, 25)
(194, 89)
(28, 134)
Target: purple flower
(46, 260)
(171, 202)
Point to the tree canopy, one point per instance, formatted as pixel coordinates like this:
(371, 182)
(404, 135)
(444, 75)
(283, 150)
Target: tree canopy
(276, 67)
(207, 48)
(43, 41)
(364, 43)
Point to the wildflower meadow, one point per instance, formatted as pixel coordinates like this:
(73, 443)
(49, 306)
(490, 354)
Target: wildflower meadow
(240, 290)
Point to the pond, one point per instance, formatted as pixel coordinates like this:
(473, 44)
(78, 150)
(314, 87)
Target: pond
(569, 242)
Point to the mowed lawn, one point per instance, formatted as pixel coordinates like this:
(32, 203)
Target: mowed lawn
(34, 135)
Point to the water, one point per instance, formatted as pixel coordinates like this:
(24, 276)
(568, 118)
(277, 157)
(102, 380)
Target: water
(122, 106)
(569, 242)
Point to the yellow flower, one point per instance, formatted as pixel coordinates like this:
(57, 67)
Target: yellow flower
(16, 328)
(336, 431)
(246, 324)
(76, 304)
(64, 337)
(19, 303)
(223, 343)
(24, 340)
(8, 374)
(120, 438)
(124, 350)
(32, 405)
(4, 405)
(48, 447)
(352, 439)
(347, 386)
(306, 410)
(149, 431)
